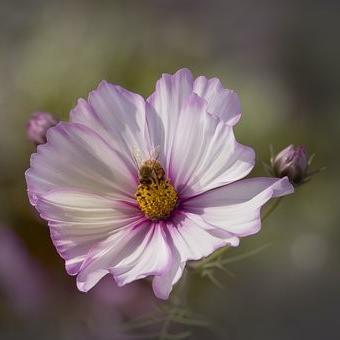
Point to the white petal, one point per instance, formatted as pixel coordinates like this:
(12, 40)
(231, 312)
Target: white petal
(129, 255)
(79, 221)
(236, 207)
(165, 108)
(106, 253)
(192, 238)
(75, 157)
(151, 257)
(162, 284)
(204, 153)
(222, 103)
(117, 115)
(189, 238)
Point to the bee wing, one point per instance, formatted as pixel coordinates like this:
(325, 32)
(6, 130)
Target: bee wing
(154, 153)
(137, 156)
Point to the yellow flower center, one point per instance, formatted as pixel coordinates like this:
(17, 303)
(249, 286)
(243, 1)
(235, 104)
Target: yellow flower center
(156, 199)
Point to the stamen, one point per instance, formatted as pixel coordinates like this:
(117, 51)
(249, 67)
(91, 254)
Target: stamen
(156, 200)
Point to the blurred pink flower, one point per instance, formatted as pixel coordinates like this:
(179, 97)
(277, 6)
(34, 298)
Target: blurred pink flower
(21, 279)
(38, 125)
(123, 298)
(108, 214)
(106, 292)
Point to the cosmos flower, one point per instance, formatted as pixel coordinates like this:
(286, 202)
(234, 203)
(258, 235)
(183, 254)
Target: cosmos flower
(136, 188)
(291, 162)
(38, 125)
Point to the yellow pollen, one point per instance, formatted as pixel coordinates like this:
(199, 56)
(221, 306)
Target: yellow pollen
(156, 200)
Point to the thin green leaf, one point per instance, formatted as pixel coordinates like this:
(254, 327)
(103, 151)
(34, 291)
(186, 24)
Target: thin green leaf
(218, 253)
(141, 324)
(191, 322)
(245, 255)
(314, 172)
(154, 335)
(178, 336)
(212, 278)
(310, 160)
(225, 270)
(271, 153)
(271, 208)
(267, 168)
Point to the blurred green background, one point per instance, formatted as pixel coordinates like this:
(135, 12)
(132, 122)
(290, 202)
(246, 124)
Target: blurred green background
(283, 59)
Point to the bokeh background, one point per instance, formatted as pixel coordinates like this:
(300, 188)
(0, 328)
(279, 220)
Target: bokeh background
(283, 59)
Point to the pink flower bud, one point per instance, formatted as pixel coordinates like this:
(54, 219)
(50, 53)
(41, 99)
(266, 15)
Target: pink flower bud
(38, 125)
(291, 162)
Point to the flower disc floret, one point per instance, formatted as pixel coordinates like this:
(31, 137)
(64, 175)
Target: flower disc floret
(157, 200)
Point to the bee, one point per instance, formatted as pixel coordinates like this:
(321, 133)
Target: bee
(149, 171)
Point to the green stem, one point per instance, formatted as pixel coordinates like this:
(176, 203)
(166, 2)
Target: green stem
(237, 258)
(164, 330)
(213, 256)
(272, 208)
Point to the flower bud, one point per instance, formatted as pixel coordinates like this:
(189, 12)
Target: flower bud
(291, 162)
(38, 125)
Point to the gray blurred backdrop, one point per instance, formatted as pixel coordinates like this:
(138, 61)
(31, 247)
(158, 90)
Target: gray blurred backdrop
(283, 59)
